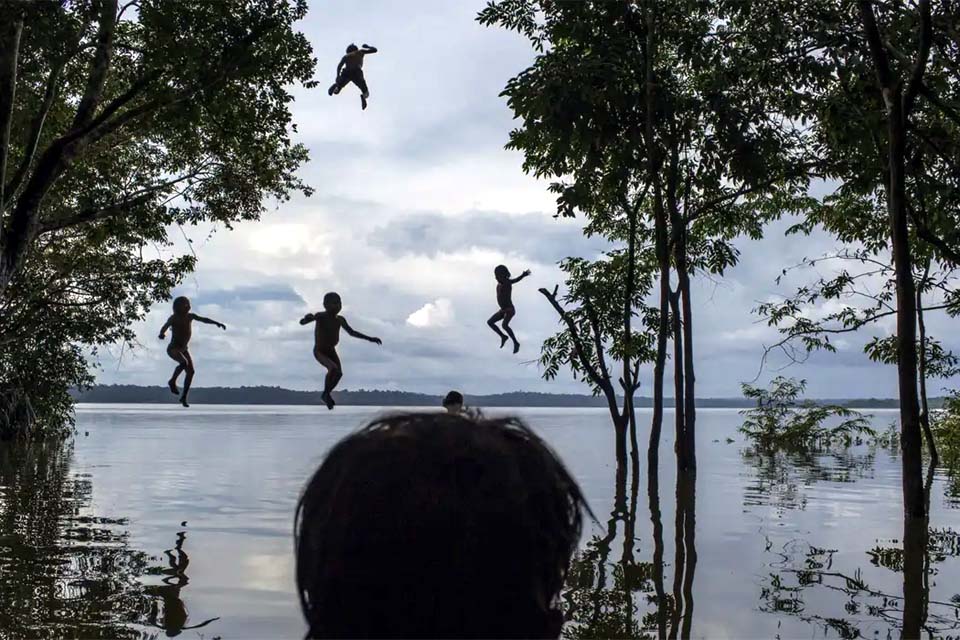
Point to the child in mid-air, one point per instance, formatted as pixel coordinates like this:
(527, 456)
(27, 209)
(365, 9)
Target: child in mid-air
(505, 300)
(326, 338)
(350, 69)
(181, 328)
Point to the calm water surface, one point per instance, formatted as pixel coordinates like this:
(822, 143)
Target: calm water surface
(164, 522)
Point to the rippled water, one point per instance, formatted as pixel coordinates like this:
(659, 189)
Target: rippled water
(163, 522)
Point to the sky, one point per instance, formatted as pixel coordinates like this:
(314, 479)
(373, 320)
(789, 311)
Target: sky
(416, 200)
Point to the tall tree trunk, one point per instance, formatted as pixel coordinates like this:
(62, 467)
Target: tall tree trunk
(898, 106)
(690, 410)
(910, 437)
(628, 357)
(680, 444)
(924, 403)
(653, 498)
(9, 53)
(687, 501)
(660, 230)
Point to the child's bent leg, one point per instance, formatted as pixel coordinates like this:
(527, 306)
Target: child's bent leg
(334, 372)
(507, 317)
(492, 323)
(189, 377)
(177, 356)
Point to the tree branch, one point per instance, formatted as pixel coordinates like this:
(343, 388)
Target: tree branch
(924, 232)
(875, 42)
(100, 66)
(36, 129)
(99, 213)
(916, 76)
(575, 336)
(9, 52)
(597, 339)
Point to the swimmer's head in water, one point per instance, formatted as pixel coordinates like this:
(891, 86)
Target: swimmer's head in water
(332, 302)
(351, 48)
(181, 304)
(501, 272)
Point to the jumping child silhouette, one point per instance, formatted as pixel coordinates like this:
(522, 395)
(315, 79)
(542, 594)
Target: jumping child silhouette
(505, 301)
(350, 69)
(181, 329)
(326, 338)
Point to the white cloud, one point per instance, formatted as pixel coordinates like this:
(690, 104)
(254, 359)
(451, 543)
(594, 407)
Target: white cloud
(438, 313)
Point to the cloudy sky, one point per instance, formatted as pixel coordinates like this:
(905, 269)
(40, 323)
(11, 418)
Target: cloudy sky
(416, 201)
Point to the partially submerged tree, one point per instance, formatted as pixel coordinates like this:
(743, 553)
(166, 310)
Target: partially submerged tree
(782, 419)
(117, 121)
(652, 125)
(878, 84)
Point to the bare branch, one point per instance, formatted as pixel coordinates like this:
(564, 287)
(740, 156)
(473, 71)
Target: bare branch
(575, 336)
(597, 339)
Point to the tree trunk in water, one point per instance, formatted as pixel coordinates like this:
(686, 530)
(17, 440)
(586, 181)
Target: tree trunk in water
(924, 404)
(653, 498)
(910, 437)
(687, 501)
(620, 429)
(690, 410)
(680, 445)
(663, 332)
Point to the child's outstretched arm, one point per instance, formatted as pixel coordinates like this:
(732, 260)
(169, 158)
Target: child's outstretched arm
(207, 321)
(356, 334)
(520, 277)
(163, 329)
(307, 319)
(368, 49)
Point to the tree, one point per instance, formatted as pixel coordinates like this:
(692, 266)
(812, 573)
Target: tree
(118, 121)
(650, 124)
(878, 85)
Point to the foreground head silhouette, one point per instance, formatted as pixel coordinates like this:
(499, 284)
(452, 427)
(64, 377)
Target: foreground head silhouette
(453, 402)
(428, 525)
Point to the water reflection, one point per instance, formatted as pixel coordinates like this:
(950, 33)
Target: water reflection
(67, 574)
(608, 598)
(809, 583)
(167, 610)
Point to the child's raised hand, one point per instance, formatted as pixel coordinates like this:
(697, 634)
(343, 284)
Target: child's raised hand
(222, 326)
(162, 335)
(376, 341)
(526, 272)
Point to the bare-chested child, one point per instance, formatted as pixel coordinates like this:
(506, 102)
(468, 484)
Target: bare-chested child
(350, 69)
(181, 329)
(505, 301)
(326, 337)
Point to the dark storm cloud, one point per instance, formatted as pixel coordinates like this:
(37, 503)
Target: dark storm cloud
(536, 236)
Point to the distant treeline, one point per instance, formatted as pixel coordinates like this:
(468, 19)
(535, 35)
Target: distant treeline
(125, 393)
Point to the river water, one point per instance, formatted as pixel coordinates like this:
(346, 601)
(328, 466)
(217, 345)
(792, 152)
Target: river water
(162, 522)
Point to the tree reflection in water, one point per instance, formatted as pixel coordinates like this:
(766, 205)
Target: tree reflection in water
(66, 574)
(806, 584)
(624, 598)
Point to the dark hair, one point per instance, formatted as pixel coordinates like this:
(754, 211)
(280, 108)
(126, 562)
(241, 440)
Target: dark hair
(332, 298)
(180, 301)
(454, 397)
(351, 48)
(501, 271)
(426, 525)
